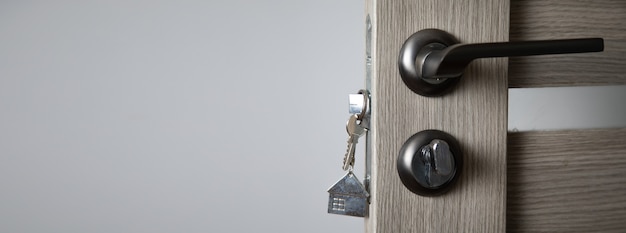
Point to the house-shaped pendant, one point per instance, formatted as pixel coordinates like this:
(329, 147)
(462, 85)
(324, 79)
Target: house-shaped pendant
(348, 197)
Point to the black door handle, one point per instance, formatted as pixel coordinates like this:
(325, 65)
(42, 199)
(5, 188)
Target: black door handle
(431, 61)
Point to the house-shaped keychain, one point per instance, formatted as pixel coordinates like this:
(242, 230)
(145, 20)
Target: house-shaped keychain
(348, 197)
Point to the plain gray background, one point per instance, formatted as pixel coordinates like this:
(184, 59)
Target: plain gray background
(196, 116)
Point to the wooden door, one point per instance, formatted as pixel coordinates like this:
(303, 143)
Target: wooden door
(557, 181)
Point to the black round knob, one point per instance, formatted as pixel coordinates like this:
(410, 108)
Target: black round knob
(430, 162)
(418, 47)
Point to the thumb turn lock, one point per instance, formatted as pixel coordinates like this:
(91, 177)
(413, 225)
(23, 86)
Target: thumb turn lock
(431, 61)
(430, 162)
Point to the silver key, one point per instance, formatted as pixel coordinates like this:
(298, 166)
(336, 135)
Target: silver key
(355, 131)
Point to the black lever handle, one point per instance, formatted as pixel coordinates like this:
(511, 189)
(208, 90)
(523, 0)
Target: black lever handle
(431, 60)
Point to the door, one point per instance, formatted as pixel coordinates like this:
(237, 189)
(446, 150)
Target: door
(557, 181)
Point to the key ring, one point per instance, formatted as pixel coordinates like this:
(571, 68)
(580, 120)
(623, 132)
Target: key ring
(366, 103)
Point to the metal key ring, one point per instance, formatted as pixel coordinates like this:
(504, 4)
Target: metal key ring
(366, 103)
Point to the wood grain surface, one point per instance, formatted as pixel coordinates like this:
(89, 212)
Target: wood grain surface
(567, 181)
(558, 19)
(474, 113)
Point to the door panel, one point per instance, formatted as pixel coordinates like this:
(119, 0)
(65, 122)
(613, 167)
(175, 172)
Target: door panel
(475, 113)
(559, 181)
(571, 180)
(567, 181)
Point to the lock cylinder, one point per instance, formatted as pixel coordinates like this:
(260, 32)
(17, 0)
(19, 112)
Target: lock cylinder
(430, 162)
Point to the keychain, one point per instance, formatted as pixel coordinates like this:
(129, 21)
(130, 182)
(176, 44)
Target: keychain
(348, 196)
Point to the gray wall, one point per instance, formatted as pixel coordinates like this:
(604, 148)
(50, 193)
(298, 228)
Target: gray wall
(185, 116)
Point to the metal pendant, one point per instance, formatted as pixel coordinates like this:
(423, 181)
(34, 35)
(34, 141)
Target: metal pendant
(348, 197)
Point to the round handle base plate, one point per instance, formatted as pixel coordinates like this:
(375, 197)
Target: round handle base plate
(421, 43)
